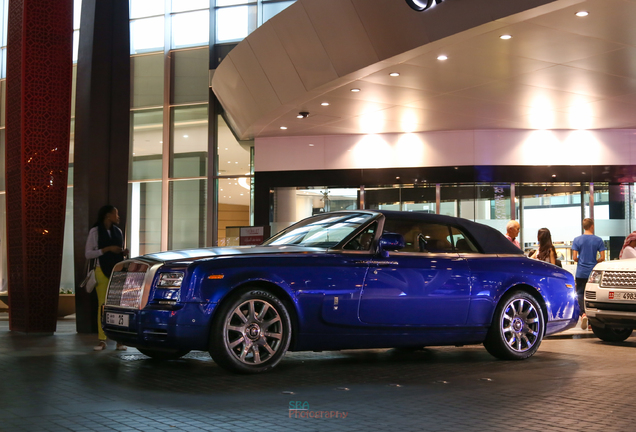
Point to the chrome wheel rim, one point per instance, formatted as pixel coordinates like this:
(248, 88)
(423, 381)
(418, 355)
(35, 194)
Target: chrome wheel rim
(253, 332)
(520, 325)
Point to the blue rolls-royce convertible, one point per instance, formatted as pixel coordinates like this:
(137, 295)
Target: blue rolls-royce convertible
(344, 280)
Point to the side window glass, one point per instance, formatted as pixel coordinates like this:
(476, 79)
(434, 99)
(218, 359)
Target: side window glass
(461, 242)
(435, 238)
(420, 236)
(363, 241)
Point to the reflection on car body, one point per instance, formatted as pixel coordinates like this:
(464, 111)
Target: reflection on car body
(343, 280)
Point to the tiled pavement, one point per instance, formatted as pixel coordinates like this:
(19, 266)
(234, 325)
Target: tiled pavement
(57, 383)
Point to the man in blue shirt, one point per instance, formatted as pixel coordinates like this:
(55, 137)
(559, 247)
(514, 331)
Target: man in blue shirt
(587, 250)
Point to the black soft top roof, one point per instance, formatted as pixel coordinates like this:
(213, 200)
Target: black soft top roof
(488, 239)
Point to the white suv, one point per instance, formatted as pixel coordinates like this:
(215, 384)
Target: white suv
(610, 299)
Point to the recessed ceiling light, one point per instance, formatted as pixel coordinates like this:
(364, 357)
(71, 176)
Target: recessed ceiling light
(355, 90)
(505, 37)
(325, 104)
(582, 14)
(283, 127)
(185, 136)
(311, 145)
(394, 74)
(442, 57)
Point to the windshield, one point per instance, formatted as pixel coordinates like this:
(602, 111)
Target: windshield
(323, 231)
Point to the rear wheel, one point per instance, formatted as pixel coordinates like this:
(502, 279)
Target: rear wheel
(609, 334)
(517, 327)
(163, 354)
(251, 332)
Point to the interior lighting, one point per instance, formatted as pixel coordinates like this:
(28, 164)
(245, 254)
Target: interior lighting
(355, 90)
(283, 127)
(582, 13)
(185, 136)
(394, 74)
(311, 145)
(442, 57)
(505, 37)
(325, 104)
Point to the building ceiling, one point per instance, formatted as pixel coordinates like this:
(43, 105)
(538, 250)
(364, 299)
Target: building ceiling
(556, 71)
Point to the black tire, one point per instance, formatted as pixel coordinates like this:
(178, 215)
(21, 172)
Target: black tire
(517, 327)
(250, 332)
(156, 354)
(609, 334)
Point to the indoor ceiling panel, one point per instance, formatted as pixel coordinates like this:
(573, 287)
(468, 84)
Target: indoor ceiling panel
(379, 93)
(302, 44)
(433, 78)
(579, 81)
(276, 64)
(621, 62)
(513, 92)
(341, 107)
(546, 44)
(472, 107)
(611, 20)
(342, 34)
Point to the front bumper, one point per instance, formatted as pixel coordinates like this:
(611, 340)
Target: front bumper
(603, 310)
(186, 328)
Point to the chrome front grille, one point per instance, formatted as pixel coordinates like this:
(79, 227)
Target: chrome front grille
(126, 289)
(129, 284)
(618, 279)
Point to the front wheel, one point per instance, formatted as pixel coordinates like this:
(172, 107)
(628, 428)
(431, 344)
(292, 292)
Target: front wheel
(609, 334)
(517, 327)
(251, 332)
(156, 354)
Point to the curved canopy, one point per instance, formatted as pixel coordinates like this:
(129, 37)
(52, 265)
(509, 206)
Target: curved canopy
(557, 71)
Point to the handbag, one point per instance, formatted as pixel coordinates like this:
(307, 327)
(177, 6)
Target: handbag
(90, 280)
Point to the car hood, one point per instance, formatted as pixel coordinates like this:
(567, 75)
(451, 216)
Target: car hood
(617, 265)
(202, 253)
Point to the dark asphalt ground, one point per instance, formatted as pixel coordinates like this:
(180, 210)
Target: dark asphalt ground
(574, 383)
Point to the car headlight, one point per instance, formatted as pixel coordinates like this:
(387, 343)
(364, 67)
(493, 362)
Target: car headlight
(595, 277)
(170, 280)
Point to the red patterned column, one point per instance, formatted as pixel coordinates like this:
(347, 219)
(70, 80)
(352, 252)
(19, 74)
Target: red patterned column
(38, 106)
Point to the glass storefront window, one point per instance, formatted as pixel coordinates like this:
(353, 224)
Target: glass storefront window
(271, 9)
(293, 204)
(146, 35)
(190, 76)
(233, 2)
(147, 80)
(187, 215)
(146, 8)
(556, 206)
(75, 45)
(144, 225)
(189, 141)
(147, 144)
(234, 205)
(188, 5)
(235, 23)
(191, 29)
(233, 157)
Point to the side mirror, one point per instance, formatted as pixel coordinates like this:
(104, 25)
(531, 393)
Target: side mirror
(390, 242)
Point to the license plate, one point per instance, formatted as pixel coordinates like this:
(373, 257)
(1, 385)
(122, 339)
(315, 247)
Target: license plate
(613, 295)
(120, 320)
